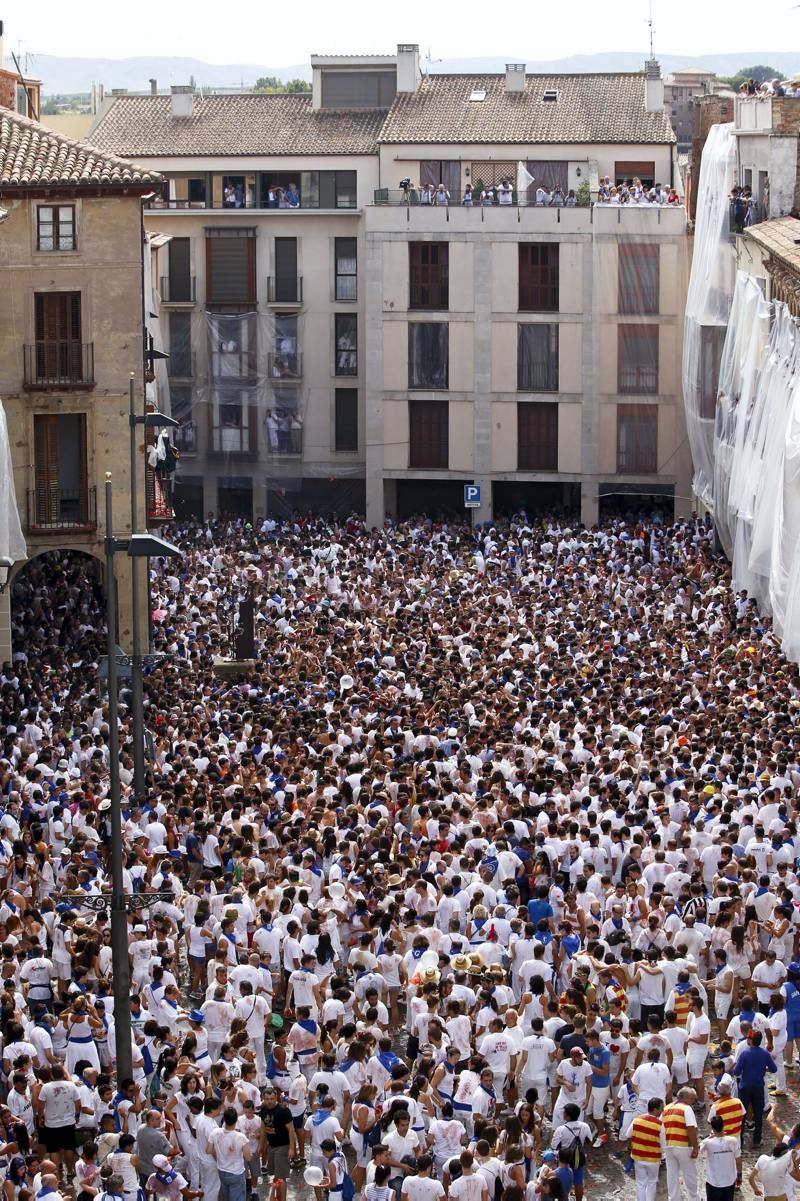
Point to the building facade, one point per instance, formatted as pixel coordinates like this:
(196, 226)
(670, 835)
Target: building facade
(335, 345)
(71, 335)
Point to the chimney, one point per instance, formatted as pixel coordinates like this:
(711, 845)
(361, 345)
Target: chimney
(153, 87)
(408, 75)
(515, 77)
(182, 100)
(653, 87)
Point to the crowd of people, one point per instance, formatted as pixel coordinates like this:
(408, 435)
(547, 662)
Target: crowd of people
(484, 879)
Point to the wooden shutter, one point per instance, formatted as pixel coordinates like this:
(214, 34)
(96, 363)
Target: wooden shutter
(346, 417)
(47, 469)
(537, 437)
(538, 277)
(180, 280)
(429, 433)
(633, 168)
(286, 269)
(58, 335)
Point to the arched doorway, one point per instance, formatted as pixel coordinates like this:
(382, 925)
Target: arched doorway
(58, 608)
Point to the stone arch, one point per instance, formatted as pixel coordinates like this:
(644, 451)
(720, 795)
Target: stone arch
(57, 597)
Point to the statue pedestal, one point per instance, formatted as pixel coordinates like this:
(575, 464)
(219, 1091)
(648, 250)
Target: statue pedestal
(234, 669)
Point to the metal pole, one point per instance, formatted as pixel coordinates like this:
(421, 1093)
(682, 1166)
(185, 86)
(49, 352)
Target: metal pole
(137, 701)
(119, 920)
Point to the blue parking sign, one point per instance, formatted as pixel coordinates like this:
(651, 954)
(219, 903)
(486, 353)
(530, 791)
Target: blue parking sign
(472, 496)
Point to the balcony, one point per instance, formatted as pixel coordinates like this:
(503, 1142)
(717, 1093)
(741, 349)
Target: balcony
(177, 291)
(158, 497)
(538, 377)
(52, 508)
(284, 435)
(638, 380)
(650, 220)
(58, 365)
(285, 366)
(184, 438)
(285, 289)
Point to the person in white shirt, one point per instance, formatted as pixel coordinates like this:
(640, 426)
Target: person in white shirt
(422, 1186)
(471, 1185)
(255, 1011)
(231, 1151)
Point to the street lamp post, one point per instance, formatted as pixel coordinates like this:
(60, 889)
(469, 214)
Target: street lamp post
(119, 918)
(137, 546)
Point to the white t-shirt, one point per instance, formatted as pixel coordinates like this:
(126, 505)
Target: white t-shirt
(469, 1188)
(720, 1156)
(229, 1150)
(772, 1174)
(58, 1098)
(421, 1188)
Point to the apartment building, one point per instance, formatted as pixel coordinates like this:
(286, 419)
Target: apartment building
(681, 89)
(334, 345)
(71, 333)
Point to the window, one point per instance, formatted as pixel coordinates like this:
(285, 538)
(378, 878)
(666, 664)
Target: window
(633, 169)
(179, 281)
(231, 267)
(358, 89)
(637, 367)
(538, 277)
(442, 170)
(233, 413)
(550, 96)
(537, 437)
(537, 358)
(233, 191)
(180, 346)
(233, 345)
(429, 433)
(346, 417)
(55, 227)
(286, 286)
(638, 278)
(284, 362)
(58, 357)
(315, 189)
(346, 352)
(180, 399)
(346, 253)
(712, 339)
(428, 275)
(637, 439)
(428, 354)
(477, 95)
(60, 495)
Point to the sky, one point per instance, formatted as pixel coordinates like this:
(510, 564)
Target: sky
(286, 35)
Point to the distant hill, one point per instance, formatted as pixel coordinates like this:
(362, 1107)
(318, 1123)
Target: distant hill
(69, 75)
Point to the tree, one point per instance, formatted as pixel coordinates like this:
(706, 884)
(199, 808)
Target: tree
(271, 83)
(759, 73)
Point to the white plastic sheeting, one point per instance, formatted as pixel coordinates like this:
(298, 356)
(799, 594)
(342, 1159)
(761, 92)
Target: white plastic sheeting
(12, 543)
(708, 302)
(757, 456)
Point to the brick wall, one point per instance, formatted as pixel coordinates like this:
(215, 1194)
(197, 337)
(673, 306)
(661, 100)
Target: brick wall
(786, 115)
(706, 111)
(8, 90)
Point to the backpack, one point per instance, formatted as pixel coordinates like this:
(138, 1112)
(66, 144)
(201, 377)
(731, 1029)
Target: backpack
(578, 1159)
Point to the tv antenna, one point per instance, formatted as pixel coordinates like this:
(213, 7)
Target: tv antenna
(428, 60)
(652, 30)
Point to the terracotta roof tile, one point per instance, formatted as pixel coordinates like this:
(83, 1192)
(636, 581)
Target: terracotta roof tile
(227, 125)
(31, 155)
(589, 108)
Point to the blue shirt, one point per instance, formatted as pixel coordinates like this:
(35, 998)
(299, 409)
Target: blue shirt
(752, 1064)
(538, 909)
(600, 1060)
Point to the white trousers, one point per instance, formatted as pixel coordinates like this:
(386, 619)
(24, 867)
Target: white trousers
(680, 1163)
(646, 1177)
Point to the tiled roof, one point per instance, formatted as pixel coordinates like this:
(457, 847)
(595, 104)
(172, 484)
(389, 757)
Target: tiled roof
(780, 237)
(246, 124)
(32, 156)
(589, 108)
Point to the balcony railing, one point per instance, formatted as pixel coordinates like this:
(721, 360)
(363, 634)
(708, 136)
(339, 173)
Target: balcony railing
(58, 364)
(232, 440)
(538, 377)
(158, 496)
(638, 380)
(185, 438)
(177, 291)
(285, 289)
(745, 214)
(182, 364)
(413, 198)
(284, 435)
(285, 366)
(52, 507)
(637, 461)
(232, 365)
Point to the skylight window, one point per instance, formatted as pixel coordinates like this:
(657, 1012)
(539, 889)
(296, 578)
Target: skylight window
(476, 96)
(550, 96)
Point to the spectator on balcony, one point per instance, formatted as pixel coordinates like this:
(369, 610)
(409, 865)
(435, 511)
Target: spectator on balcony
(571, 199)
(229, 197)
(272, 431)
(272, 197)
(673, 197)
(557, 200)
(505, 193)
(426, 194)
(467, 201)
(441, 196)
(543, 196)
(296, 434)
(293, 196)
(487, 197)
